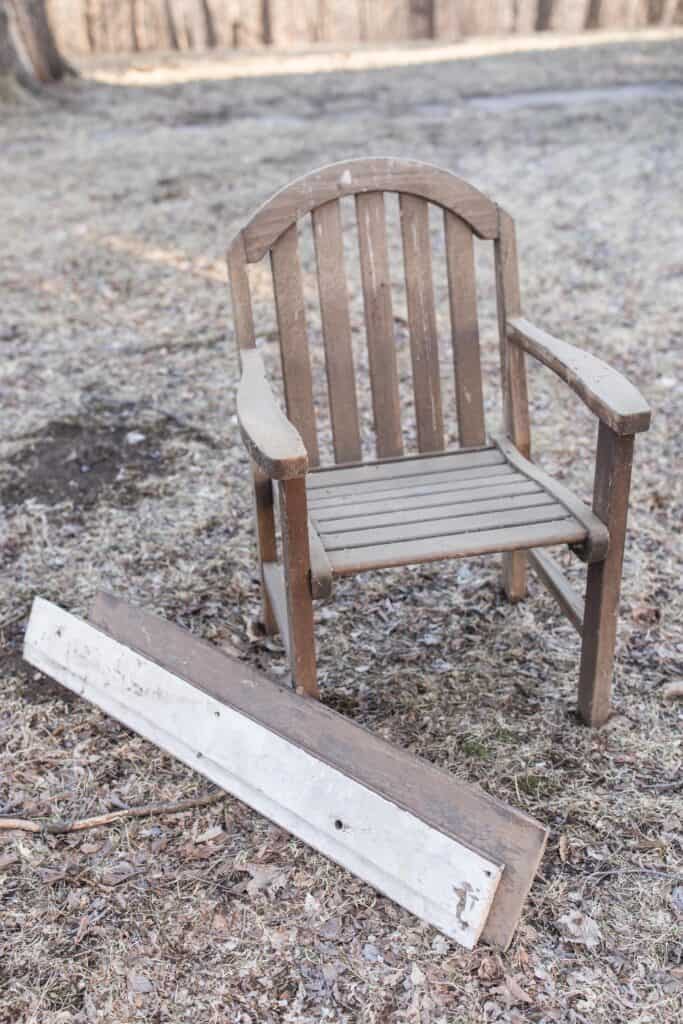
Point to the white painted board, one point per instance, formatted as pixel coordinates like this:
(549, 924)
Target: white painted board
(442, 881)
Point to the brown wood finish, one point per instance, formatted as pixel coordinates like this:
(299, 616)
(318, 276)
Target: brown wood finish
(265, 536)
(594, 548)
(424, 342)
(513, 377)
(462, 291)
(456, 808)
(291, 319)
(603, 586)
(355, 177)
(321, 570)
(608, 394)
(334, 310)
(398, 509)
(379, 322)
(345, 562)
(242, 313)
(271, 439)
(296, 562)
(559, 586)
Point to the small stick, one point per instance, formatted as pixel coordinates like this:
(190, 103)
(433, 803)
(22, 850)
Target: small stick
(57, 828)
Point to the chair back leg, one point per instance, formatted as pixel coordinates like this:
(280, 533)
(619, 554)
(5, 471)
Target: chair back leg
(610, 504)
(297, 574)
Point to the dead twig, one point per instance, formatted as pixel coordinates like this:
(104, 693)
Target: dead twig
(57, 828)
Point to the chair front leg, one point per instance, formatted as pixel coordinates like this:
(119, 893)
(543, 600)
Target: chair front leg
(297, 573)
(610, 504)
(265, 534)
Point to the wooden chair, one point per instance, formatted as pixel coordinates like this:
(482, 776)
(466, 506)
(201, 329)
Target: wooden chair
(486, 496)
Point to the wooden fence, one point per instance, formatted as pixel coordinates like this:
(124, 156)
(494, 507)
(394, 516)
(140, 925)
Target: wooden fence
(83, 26)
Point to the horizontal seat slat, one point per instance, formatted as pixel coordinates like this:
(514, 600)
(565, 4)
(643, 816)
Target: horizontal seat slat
(446, 527)
(427, 484)
(427, 497)
(422, 514)
(393, 469)
(347, 561)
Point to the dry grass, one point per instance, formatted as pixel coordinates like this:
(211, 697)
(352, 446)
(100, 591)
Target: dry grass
(116, 205)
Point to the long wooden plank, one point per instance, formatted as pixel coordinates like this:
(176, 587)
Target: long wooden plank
(296, 359)
(372, 490)
(425, 512)
(596, 544)
(347, 561)
(456, 808)
(431, 497)
(462, 292)
(424, 342)
(416, 864)
(336, 324)
(559, 586)
(379, 322)
(373, 174)
(445, 528)
(391, 470)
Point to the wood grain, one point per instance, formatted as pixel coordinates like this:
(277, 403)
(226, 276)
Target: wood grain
(462, 293)
(609, 395)
(603, 586)
(336, 324)
(424, 342)
(559, 586)
(379, 322)
(354, 177)
(272, 441)
(296, 360)
(452, 806)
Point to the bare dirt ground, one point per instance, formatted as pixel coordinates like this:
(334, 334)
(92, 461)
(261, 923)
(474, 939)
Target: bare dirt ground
(122, 468)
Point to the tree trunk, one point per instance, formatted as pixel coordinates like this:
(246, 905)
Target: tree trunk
(36, 34)
(171, 29)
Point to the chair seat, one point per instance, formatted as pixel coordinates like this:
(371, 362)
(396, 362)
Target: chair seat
(461, 502)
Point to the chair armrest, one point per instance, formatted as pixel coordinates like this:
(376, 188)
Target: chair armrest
(606, 392)
(272, 441)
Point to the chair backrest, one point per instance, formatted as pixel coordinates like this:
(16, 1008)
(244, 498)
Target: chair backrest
(274, 229)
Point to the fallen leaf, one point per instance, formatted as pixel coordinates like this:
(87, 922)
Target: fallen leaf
(564, 848)
(677, 899)
(118, 873)
(580, 929)
(417, 976)
(331, 929)
(219, 922)
(139, 983)
(673, 691)
(7, 859)
(516, 993)
(209, 834)
(371, 953)
(440, 945)
(489, 968)
(264, 876)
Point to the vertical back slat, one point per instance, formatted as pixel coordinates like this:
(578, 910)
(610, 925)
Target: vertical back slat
(242, 313)
(336, 323)
(462, 291)
(374, 262)
(512, 361)
(291, 319)
(424, 344)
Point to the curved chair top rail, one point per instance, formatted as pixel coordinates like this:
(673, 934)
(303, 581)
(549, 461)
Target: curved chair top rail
(374, 174)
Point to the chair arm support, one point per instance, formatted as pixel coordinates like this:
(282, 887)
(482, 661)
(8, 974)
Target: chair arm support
(609, 395)
(272, 441)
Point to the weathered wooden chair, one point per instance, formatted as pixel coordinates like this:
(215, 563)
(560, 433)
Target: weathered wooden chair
(486, 496)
